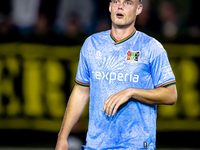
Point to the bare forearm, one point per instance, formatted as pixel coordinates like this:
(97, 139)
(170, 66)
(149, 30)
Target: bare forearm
(75, 107)
(163, 95)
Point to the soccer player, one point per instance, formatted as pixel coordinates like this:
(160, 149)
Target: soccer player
(126, 74)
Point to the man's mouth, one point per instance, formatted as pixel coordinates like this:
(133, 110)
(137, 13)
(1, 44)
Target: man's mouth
(119, 15)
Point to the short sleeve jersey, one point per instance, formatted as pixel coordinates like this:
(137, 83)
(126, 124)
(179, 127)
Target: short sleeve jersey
(109, 66)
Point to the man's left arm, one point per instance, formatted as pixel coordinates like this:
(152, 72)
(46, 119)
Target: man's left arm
(163, 95)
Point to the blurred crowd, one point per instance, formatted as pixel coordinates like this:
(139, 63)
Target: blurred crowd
(69, 22)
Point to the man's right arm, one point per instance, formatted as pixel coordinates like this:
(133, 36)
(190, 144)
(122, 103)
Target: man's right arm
(75, 107)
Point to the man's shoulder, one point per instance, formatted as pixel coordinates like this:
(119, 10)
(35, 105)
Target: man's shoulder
(146, 38)
(100, 35)
(96, 39)
(153, 46)
(151, 41)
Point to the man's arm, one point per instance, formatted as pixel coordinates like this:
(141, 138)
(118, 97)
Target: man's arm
(163, 95)
(75, 107)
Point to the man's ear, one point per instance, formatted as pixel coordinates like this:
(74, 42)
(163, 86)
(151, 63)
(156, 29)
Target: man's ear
(139, 9)
(110, 7)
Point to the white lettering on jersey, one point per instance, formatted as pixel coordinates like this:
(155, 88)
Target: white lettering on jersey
(112, 76)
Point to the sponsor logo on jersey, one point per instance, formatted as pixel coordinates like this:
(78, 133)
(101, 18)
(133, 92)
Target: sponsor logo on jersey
(113, 76)
(133, 57)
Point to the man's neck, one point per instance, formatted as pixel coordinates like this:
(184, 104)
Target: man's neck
(121, 33)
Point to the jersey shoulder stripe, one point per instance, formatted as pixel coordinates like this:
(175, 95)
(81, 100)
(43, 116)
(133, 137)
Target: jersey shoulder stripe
(81, 83)
(167, 84)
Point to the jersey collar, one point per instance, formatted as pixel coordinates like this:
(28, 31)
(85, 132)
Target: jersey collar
(123, 40)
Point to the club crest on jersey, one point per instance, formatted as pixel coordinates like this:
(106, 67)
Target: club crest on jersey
(133, 57)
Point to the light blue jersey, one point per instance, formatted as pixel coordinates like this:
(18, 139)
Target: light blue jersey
(109, 66)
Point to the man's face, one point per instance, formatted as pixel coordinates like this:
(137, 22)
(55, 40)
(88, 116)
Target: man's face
(124, 12)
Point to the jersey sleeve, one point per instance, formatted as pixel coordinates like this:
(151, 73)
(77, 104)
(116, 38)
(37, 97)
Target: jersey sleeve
(161, 70)
(83, 75)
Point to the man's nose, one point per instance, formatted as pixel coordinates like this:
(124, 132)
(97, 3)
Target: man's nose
(121, 5)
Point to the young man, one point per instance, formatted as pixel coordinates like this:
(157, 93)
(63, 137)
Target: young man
(126, 74)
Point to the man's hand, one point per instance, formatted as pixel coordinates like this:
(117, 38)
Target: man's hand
(75, 107)
(114, 101)
(163, 95)
(62, 144)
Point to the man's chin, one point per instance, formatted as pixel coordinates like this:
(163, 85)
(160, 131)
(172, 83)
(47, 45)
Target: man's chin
(122, 25)
(119, 23)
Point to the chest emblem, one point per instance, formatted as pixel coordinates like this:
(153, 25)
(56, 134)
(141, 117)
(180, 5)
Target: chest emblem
(133, 57)
(98, 55)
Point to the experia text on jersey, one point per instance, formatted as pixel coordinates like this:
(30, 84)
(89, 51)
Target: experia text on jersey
(113, 76)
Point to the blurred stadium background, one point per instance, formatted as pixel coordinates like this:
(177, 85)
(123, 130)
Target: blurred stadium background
(40, 42)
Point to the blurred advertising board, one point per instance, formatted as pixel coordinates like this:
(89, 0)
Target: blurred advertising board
(36, 81)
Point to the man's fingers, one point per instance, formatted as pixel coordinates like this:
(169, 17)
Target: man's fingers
(115, 109)
(104, 106)
(109, 105)
(111, 108)
(106, 103)
(112, 104)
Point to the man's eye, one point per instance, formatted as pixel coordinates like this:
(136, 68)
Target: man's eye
(128, 3)
(115, 2)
